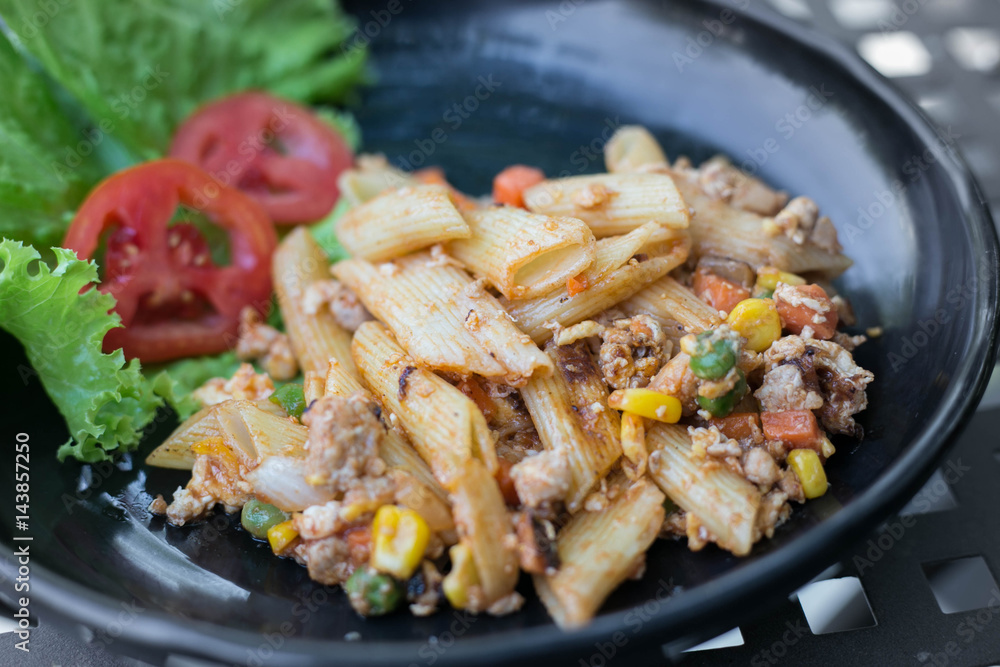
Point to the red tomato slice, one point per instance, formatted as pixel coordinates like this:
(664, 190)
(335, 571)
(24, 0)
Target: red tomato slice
(276, 151)
(174, 301)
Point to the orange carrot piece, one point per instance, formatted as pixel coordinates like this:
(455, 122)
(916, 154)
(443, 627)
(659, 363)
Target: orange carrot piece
(510, 184)
(738, 426)
(797, 428)
(435, 176)
(795, 317)
(718, 292)
(576, 284)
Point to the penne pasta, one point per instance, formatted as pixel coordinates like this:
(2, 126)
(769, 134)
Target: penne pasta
(254, 434)
(395, 450)
(443, 319)
(723, 502)
(315, 339)
(669, 301)
(616, 274)
(631, 148)
(175, 452)
(721, 230)
(484, 526)
(444, 425)
(400, 221)
(598, 551)
(522, 254)
(371, 176)
(570, 413)
(612, 203)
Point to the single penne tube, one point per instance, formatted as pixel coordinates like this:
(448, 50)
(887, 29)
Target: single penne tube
(725, 503)
(668, 300)
(603, 285)
(612, 203)
(632, 147)
(175, 452)
(570, 413)
(400, 221)
(484, 526)
(371, 176)
(444, 425)
(524, 254)
(254, 434)
(724, 231)
(395, 450)
(598, 551)
(299, 262)
(443, 319)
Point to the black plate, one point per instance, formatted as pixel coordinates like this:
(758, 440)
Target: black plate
(546, 84)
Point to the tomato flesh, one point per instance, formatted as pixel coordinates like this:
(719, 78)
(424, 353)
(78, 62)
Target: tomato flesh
(279, 153)
(173, 299)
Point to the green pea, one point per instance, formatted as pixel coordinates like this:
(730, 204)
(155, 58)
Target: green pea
(766, 294)
(723, 405)
(714, 357)
(257, 517)
(373, 593)
(290, 398)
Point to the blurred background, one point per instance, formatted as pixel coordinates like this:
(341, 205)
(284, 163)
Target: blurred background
(934, 597)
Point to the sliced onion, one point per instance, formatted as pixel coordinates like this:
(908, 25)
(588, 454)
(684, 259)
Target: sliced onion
(281, 481)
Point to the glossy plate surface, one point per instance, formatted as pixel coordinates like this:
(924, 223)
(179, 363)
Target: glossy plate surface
(473, 87)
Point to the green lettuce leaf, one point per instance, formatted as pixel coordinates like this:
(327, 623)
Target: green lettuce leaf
(324, 232)
(106, 402)
(37, 139)
(139, 67)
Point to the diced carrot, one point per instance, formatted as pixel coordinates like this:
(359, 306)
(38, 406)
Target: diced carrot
(797, 428)
(435, 176)
(473, 389)
(506, 483)
(576, 284)
(738, 426)
(718, 292)
(510, 184)
(796, 315)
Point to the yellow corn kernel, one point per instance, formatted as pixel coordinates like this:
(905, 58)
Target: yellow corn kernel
(216, 449)
(463, 576)
(809, 469)
(354, 511)
(281, 535)
(826, 448)
(400, 538)
(768, 278)
(646, 403)
(756, 320)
